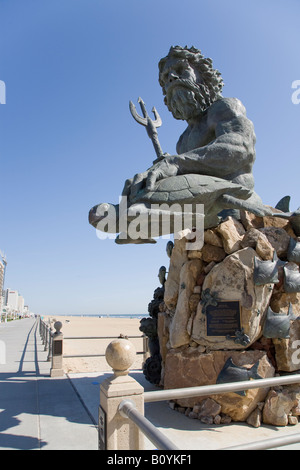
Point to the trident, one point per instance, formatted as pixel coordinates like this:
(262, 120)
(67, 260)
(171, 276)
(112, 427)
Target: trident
(150, 126)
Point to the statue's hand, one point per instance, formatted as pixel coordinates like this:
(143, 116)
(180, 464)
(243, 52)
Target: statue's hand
(147, 179)
(163, 169)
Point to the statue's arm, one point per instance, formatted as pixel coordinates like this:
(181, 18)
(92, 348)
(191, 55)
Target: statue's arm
(229, 155)
(231, 151)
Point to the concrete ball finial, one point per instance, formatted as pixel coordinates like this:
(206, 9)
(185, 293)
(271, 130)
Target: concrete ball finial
(120, 355)
(58, 326)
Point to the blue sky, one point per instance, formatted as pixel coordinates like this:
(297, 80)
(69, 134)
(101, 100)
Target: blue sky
(68, 141)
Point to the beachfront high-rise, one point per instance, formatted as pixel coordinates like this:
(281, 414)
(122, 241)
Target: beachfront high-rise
(3, 264)
(13, 303)
(2, 271)
(13, 299)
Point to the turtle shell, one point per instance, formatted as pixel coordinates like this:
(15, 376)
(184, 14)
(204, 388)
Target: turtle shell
(192, 188)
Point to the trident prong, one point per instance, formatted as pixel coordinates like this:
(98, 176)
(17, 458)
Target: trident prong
(150, 125)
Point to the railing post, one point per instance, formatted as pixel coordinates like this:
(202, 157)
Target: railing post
(43, 332)
(47, 329)
(57, 352)
(49, 357)
(146, 353)
(41, 329)
(117, 432)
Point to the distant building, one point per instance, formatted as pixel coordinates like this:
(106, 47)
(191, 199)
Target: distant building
(14, 302)
(21, 304)
(5, 296)
(2, 272)
(13, 299)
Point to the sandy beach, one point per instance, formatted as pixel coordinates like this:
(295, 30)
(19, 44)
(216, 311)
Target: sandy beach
(87, 327)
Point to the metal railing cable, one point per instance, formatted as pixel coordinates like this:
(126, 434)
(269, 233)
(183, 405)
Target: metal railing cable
(46, 333)
(69, 356)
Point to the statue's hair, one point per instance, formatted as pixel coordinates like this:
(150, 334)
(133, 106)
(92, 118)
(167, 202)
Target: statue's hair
(211, 77)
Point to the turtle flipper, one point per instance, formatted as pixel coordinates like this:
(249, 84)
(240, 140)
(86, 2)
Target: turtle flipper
(253, 204)
(124, 239)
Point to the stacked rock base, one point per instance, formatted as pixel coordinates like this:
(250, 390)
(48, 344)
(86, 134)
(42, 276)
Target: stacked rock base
(231, 312)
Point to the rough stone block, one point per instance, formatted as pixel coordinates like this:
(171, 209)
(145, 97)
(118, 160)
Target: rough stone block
(232, 280)
(191, 369)
(278, 406)
(187, 280)
(232, 232)
(178, 258)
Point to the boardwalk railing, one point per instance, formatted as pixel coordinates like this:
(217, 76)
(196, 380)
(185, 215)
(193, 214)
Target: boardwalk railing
(143, 337)
(122, 423)
(127, 407)
(47, 333)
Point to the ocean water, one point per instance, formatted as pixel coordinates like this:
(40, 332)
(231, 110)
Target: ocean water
(116, 315)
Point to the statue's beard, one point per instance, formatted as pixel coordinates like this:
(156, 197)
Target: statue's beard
(186, 100)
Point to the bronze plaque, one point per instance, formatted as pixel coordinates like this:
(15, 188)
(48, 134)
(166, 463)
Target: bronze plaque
(57, 347)
(101, 429)
(223, 319)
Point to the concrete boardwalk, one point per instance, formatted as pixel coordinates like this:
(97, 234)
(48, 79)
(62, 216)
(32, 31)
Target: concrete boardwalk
(42, 413)
(36, 411)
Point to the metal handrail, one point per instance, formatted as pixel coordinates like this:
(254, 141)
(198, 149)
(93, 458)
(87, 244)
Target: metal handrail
(127, 408)
(268, 443)
(162, 395)
(100, 337)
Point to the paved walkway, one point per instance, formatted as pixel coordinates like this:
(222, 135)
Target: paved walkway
(43, 413)
(36, 411)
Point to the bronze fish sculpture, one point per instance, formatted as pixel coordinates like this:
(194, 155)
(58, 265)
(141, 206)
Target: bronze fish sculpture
(162, 275)
(232, 373)
(291, 281)
(293, 253)
(266, 272)
(294, 217)
(277, 325)
(169, 248)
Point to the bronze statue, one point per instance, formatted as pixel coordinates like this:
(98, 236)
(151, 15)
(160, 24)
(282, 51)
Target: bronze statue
(215, 154)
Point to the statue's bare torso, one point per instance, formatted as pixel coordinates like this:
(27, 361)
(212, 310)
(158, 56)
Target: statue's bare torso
(221, 143)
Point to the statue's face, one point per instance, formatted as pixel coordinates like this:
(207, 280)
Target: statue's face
(175, 69)
(181, 83)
